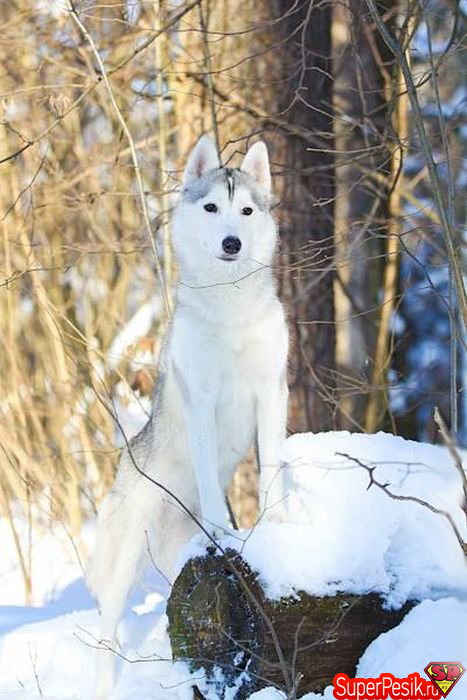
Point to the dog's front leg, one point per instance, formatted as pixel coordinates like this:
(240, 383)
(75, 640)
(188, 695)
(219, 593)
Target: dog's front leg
(202, 435)
(271, 432)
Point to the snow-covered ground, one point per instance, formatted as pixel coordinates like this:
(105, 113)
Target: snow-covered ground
(341, 535)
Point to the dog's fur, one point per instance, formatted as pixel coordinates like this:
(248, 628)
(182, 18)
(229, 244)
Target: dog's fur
(222, 383)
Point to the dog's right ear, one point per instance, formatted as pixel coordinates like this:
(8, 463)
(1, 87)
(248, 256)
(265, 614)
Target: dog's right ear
(204, 157)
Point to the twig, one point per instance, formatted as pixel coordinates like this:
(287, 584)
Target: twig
(13, 204)
(153, 561)
(448, 233)
(209, 78)
(31, 142)
(34, 669)
(19, 549)
(399, 497)
(450, 214)
(178, 16)
(160, 51)
(451, 445)
(131, 144)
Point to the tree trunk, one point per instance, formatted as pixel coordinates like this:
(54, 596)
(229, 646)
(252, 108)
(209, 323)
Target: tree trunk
(367, 98)
(307, 210)
(219, 621)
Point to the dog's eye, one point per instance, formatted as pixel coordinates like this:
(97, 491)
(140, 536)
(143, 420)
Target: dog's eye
(246, 211)
(210, 207)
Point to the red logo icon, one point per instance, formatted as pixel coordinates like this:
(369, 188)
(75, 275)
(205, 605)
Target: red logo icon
(444, 675)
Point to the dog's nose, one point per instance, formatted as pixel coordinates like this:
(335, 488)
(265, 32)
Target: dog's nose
(231, 245)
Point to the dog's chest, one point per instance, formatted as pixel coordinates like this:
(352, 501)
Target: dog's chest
(224, 358)
(242, 354)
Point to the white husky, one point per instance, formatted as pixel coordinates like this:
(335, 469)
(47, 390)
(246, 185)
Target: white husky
(222, 384)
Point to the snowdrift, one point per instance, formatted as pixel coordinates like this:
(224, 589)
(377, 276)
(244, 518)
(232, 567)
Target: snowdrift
(367, 514)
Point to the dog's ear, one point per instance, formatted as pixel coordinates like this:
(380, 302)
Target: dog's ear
(203, 158)
(256, 164)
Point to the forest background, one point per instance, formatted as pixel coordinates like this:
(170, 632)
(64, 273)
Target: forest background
(362, 105)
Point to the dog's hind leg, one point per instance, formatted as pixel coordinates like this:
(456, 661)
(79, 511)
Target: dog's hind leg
(121, 543)
(112, 601)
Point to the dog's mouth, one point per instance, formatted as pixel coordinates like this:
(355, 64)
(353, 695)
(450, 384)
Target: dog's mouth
(228, 258)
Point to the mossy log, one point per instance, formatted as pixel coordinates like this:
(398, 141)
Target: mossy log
(220, 621)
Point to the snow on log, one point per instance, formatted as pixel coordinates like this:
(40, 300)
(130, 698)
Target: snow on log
(218, 621)
(373, 523)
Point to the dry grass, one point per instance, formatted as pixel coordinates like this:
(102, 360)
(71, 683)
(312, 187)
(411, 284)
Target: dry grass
(76, 262)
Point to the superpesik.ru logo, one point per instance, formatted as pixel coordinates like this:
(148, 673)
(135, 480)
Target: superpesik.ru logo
(442, 676)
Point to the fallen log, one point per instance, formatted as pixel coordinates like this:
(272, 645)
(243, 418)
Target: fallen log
(222, 623)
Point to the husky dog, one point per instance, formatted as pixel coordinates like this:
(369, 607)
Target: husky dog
(222, 384)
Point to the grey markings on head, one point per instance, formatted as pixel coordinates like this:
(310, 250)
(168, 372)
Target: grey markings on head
(232, 178)
(230, 182)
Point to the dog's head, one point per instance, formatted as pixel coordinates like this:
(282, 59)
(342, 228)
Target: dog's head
(223, 218)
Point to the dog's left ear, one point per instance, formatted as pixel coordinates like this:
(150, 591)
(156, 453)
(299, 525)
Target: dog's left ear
(256, 164)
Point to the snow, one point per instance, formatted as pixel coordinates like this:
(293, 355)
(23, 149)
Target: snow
(136, 328)
(340, 535)
(344, 536)
(433, 630)
(131, 409)
(52, 7)
(56, 558)
(268, 694)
